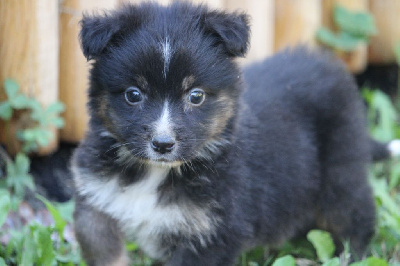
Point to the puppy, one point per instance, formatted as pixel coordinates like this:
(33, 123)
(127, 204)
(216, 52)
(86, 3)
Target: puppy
(196, 161)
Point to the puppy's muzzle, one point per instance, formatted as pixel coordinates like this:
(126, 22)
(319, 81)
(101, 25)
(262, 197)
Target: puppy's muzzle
(163, 144)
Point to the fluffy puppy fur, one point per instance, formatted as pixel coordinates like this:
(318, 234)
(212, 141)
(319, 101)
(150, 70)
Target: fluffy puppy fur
(195, 161)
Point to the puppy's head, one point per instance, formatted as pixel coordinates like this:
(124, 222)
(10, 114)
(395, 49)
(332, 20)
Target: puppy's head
(164, 83)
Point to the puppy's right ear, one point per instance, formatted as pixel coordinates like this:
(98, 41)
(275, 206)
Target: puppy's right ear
(96, 33)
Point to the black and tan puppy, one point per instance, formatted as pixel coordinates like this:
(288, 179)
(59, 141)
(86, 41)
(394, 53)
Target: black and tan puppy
(195, 161)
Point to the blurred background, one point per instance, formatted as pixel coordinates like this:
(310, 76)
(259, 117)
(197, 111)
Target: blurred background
(43, 83)
(39, 46)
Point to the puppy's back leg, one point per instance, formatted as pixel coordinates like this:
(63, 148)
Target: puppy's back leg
(346, 207)
(347, 210)
(100, 239)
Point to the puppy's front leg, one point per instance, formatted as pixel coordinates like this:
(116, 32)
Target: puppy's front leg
(100, 239)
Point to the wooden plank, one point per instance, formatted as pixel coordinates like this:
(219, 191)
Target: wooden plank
(29, 54)
(163, 2)
(262, 26)
(387, 18)
(356, 5)
(218, 4)
(73, 73)
(74, 67)
(210, 3)
(296, 22)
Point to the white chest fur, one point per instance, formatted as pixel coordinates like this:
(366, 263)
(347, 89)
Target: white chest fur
(139, 214)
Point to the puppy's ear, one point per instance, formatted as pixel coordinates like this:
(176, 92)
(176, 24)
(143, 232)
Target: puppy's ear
(231, 29)
(96, 32)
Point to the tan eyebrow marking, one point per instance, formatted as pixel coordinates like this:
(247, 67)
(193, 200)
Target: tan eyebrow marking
(188, 82)
(142, 82)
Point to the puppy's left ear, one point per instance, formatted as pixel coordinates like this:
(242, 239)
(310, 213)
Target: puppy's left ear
(231, 29)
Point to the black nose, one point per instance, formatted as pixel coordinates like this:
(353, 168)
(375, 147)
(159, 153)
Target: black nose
(163, 143)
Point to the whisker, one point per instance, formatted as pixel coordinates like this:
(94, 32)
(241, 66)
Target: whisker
(114, 146)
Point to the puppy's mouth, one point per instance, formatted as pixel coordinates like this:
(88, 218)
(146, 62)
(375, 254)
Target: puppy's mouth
(127, 156)
(165, 162)
(168, 159)
(162, 160)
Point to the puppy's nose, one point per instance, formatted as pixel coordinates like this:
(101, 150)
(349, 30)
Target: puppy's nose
(163, 143)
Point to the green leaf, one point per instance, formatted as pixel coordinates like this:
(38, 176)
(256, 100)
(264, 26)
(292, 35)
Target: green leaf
(55, 108)
(299, 248)
(70, 259)
(382, 117)
(20, 101)
(18, 176)
(33, 136)
(2, 262)
(6, 111)
(11, 170)
(46, 253)
(347, 42)
(43, 137)
(11, 87)
(367, 95)
(66, 210)
(332, 262)
(22, 163)
(37, 113)
(16, 241)
(394, 175)
(15, 202)
(381, 192)
(28, 251)
(371, 261)
(58, 220)
(326, 36)
(323, 244)
(57, 122)
(27, 134)
(361, 24)
(131, 246)
(30, 146)
(342, 41)
(14, 246)
(4, 205)
(287, 260)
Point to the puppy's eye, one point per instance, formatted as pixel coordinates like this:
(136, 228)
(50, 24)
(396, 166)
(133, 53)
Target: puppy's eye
(133, 95)
(197, 96)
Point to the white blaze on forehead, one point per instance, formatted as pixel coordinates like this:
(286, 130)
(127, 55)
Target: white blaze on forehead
(164, 124)
(166, 53)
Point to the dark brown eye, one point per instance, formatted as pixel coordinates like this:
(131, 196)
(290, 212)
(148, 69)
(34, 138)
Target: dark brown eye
(133, 95)
(196, 96)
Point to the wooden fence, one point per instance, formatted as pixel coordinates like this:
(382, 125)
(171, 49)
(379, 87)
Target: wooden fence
(39, 46)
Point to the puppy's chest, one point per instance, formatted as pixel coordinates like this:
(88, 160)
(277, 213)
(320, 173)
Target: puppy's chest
(143, 218)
